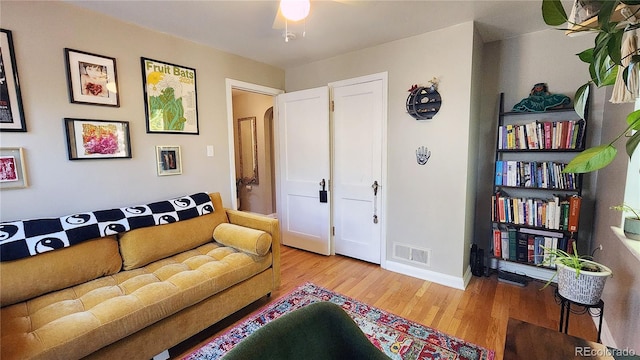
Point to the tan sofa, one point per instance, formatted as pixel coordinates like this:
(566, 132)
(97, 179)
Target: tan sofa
(133, 295)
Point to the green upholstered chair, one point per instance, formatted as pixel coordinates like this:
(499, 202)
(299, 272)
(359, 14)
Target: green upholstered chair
(320, 330)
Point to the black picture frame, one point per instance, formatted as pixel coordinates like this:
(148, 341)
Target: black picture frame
(97, 139)
(177, 85)
(11, 109)
(92, 79)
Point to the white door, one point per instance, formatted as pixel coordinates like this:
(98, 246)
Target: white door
(304, 162)
(357, 134)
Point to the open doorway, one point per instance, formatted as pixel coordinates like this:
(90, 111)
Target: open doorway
(251, 142)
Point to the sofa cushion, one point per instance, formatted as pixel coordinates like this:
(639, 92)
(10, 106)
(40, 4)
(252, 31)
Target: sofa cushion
(74, 322)
(142, 246)
(256, 242)
(54, 270)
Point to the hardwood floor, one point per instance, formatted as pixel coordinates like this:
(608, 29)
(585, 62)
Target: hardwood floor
(478, 314)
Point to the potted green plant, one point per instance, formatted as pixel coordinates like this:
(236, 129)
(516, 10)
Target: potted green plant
(631, 225)
(605, 60)
(580, 279)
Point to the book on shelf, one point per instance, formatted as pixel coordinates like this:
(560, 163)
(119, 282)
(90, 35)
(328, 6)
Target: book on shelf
(497, 241)
(564, 215)
(504, 242)
(575, 202)
(532, 246)
(538, 249)
(513, 243)
(541, 135)
(522, 251)
(554, 213)
(535, 174)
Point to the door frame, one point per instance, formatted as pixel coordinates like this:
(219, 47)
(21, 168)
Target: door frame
(382, 211)
(230, 85)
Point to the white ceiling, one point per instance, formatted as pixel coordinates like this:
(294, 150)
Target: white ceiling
(333, 27)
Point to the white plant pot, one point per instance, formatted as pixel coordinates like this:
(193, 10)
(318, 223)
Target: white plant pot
(632, 228)
(586, 288)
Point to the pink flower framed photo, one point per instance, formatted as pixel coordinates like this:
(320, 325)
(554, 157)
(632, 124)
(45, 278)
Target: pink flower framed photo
(13, 170)
(97, 139)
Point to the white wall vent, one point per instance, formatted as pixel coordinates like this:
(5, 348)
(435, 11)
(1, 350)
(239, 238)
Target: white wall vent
(411, 253)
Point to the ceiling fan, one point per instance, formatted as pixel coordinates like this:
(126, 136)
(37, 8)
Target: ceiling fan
(293, 11)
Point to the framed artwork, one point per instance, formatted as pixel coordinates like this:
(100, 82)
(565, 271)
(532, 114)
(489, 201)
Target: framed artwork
(13, 173)
(170, 98)
(169, 160)
(11, 111)
(97, 139)
(91, 78)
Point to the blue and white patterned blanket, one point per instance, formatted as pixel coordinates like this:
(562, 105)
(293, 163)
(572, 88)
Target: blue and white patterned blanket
(19, 239)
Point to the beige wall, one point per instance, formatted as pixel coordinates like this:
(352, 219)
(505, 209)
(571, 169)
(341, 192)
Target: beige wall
(259, 197)
(41, 30)
(426, 205)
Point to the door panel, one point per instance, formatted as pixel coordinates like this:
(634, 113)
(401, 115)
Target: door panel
(303, 127)
(357, 124)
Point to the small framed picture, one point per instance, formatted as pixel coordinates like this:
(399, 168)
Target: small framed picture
(92, 78)
(169, 160)
(97, 139)
(170, 98)
(13, 173)
(11, 111)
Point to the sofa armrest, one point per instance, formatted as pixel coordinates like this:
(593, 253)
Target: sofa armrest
(266, 224)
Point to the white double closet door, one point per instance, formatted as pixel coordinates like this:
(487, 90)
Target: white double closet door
(333, 136)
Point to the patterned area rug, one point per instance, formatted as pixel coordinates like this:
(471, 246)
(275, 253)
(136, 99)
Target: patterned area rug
(399, 338)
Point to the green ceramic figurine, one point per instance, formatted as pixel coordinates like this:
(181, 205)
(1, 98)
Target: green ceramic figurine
(541, 100)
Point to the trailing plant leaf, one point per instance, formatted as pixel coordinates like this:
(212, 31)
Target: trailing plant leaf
(580, 99)
(633, 120)
(574, 260)
(604, 15)
(614, 45)
(592, 159)
(553, 12)
(605, 60)
(632, 143)
(624, 207)
(605, 70)
(586, 56)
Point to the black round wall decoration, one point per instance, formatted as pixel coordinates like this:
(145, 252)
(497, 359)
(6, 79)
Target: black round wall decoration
(423, 103)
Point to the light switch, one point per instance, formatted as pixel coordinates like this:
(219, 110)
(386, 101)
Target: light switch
(209, 150)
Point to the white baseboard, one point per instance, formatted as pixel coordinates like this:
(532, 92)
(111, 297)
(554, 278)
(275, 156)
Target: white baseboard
(442, 279)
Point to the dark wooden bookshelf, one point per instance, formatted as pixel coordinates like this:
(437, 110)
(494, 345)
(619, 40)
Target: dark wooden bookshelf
(551, 155)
